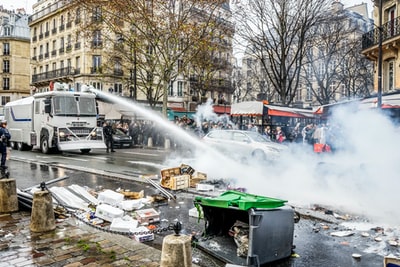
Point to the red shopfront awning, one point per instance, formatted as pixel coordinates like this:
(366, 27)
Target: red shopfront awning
(178, 109)
(222, 109)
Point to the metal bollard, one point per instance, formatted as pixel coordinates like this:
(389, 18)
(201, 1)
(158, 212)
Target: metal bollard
(8, 195)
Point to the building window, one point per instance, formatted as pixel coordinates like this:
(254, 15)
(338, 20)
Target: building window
(171, 89)
(96, 64)
(118, 88)
(390, 78)
(308, 94)
(97, 85)
(78, 15)
(6, 49)
(6, 66)
(5, 100)
(180, 64)
(180, 88)
(97, 38)
(118, 66)
(7, 31)
(6, 83)
(77, 63)
(97, 14)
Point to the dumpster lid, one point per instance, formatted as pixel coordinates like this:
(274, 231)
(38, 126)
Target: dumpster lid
(240, 200)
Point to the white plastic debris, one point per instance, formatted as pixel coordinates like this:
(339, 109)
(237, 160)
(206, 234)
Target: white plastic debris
(356, 255)
(342, 233)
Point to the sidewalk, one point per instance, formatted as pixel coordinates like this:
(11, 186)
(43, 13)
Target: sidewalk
(71, 244)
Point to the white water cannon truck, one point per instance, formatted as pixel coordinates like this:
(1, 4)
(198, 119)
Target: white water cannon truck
(56, 120)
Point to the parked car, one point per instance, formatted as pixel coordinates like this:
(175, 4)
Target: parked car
(244, 145)
(121, 139)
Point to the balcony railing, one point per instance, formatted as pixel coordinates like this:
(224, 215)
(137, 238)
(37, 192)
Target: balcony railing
(54, 74)
(389, 30)
(49, 9)
(94, 70)
(118, 72)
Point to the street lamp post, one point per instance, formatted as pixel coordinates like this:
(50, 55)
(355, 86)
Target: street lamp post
(380, 56)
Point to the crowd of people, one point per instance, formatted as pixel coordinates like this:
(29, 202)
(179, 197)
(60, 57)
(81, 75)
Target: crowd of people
(310, 134)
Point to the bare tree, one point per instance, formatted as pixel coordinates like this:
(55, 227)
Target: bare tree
(158, 40)
(357, 76)
(277, 31)
(325, 57)
(334, 65)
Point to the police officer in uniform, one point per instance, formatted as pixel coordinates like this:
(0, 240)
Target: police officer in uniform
(108, 133)
(4, 140)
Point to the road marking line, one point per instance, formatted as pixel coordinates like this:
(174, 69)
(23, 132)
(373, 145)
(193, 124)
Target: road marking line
(145, 154)
(74, 159)
(102, 158)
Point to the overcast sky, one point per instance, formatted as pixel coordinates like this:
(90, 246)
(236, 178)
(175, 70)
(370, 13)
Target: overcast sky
(27, 4)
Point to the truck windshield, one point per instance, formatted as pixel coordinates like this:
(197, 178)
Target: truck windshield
(73, 106)
(87, 106)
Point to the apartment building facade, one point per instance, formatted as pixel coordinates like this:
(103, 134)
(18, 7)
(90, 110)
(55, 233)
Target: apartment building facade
(14, 55)
(61, 53)
(390, 34)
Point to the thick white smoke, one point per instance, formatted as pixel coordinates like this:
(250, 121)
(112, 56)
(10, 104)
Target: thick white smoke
(361, 177)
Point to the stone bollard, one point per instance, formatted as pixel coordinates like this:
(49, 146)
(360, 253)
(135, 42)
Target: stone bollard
(176, 250)
(150, 142)
(42, 217)
(167, 144)
(8, 195)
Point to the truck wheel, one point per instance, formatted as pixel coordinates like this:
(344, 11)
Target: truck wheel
(85, 151)
(20, 146)
(13, 145)
(44, 145)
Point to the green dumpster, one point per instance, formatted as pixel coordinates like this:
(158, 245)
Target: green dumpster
(267, 222)
(241, 201)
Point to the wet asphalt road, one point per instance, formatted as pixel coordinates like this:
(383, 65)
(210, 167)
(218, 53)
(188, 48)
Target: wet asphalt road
(314, 246)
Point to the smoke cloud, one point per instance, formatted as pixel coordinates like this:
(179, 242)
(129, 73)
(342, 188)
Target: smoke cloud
(360, 178)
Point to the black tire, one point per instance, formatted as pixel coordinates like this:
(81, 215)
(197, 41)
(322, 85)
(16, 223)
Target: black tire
(20, 146)
(85, 151)
(13, 145)
(44, 145)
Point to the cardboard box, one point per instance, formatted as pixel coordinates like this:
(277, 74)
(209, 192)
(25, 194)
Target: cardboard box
(110, 197)
(180, 182)
(389, 261)
(196, 178)
(147, 216)
(108, 212)
(167, 173)
(176, 182)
